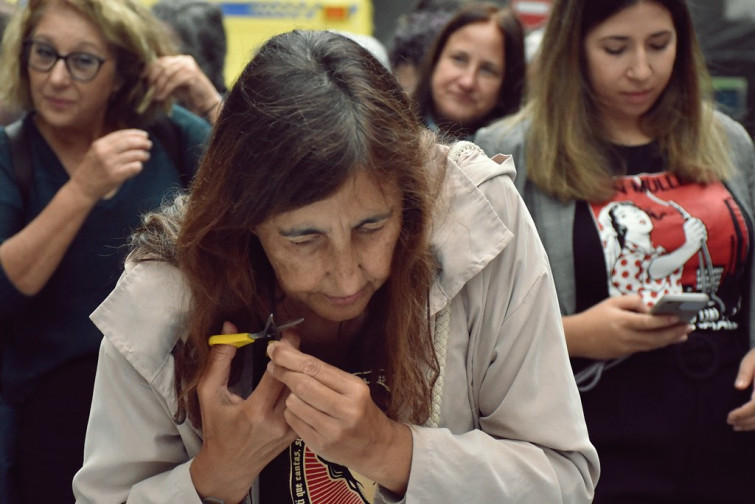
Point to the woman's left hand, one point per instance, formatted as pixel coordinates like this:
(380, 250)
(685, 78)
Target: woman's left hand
(181, 77)
(333, 412)
(743, 418)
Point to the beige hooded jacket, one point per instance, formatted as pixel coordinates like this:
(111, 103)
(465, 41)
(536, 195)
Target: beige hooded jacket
(508, 423)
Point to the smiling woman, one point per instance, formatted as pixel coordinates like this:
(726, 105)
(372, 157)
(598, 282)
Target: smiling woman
(474, 71)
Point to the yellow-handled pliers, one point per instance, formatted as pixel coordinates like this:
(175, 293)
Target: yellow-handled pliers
(270, 332)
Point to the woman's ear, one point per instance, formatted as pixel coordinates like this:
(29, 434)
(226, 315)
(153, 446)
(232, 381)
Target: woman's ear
(118, 78)
(116, 86)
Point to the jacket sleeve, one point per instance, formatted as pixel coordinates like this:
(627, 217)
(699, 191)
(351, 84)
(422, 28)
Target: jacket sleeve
(133, 450)
(742, 185)
(531, 442)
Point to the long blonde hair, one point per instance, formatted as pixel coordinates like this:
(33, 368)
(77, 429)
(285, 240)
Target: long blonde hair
(567, 156)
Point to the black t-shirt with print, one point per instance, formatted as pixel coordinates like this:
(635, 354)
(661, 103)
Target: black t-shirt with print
(589, 260)
(662, 235)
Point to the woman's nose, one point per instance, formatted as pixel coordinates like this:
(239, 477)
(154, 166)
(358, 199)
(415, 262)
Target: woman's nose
(468, 77)
(640, 68)
(59, 73)
(346, 271)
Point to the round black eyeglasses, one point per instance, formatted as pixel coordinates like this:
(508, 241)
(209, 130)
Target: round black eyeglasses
(81, 66)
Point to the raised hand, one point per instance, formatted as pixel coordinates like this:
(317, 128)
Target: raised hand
(743, 418)
(333, 412)
(181, 77)
(110, 161)
(240, 436)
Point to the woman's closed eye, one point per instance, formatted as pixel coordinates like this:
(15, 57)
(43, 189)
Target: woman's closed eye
(615, 49)
(305, 240)
(660, 42)
(371, 228)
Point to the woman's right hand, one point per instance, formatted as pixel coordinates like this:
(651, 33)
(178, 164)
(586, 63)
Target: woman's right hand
(240, 436)
(620, 326)
(110, 161)
(32, 255)
(181, 77)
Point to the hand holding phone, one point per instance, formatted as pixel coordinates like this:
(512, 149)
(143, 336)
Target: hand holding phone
(684, 305)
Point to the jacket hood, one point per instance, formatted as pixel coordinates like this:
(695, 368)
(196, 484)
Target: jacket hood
(468, 233)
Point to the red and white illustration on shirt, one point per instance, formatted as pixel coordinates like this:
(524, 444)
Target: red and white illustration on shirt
(660, 236)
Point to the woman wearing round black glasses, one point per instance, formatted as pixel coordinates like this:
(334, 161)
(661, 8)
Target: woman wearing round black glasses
(95, 78)
(41, 56)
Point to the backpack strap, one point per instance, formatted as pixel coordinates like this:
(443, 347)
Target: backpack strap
(20, 152)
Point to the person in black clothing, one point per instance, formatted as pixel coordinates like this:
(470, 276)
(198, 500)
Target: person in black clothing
(93, 77)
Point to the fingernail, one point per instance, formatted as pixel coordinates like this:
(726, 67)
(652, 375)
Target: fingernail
(270, 346)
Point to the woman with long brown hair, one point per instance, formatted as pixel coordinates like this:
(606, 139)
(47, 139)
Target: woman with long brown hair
(474, 72)
(415, 365)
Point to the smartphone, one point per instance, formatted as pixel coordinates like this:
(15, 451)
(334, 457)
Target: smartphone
(684, 305)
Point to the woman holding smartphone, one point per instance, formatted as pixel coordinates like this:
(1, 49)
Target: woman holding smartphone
(620, 112)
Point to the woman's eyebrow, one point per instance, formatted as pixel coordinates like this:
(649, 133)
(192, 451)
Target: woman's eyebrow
(304, 231)
(617, 38)
(82, 46)
(625, 38)
(376, 218)
(661, 34)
